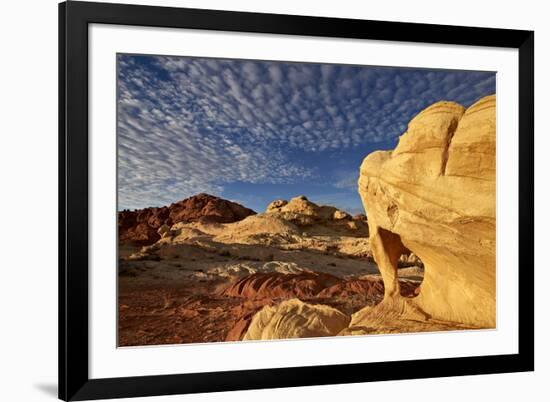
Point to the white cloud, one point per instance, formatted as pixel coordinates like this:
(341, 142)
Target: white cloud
(187, 125)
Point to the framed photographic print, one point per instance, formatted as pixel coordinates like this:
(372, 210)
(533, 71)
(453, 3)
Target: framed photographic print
(257, 200)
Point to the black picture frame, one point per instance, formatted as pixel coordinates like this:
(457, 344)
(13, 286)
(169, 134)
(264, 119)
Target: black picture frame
(74, 381)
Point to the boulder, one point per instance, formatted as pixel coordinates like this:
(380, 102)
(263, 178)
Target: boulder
(296, 319)
(276, 205)
(338, 215)
(301, 205)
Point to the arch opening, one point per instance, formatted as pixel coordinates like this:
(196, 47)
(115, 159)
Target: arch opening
(410, 273)
(402, 270)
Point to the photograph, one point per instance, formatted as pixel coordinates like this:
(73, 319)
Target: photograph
(275, 201)
(268, 200)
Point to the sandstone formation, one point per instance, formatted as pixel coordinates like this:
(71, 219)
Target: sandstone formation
(262, 228)
(238, 331)
(371, 288)
(303, 285)
(434, 195)
(280, 285)
(300, 207)
(317, 218)
(296, 319)
(298, 224)
(340, 215)
(276, 205)
(140, 227)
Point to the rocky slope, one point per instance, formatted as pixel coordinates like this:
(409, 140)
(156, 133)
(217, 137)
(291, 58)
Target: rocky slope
(299, 225)
(141, 226)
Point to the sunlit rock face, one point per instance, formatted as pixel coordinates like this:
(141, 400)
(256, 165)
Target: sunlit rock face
(434, 195)
(296, 319)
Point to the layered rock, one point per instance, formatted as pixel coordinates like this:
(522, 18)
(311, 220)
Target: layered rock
(296, 319)
(370, 288)
(333, 298)
(305, 285)
(141, 227)
(434, 195)
(261, 228)
(281, 285)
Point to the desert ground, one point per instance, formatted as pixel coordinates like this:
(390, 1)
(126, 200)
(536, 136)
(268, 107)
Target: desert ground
(422, 258)
(203, 281)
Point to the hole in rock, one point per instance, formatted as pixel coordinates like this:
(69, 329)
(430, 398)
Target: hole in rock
(396, 256)
(410, 271)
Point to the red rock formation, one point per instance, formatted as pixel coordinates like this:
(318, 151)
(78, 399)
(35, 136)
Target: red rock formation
(276, 284)
(309, 284)
(237, 332)
(373, 288)
(140, 227)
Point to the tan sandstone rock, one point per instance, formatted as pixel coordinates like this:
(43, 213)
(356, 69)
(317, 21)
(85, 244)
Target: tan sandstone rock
(434, 195)
(164, 230)
(276, 205)
(296, 319)
(338, 215)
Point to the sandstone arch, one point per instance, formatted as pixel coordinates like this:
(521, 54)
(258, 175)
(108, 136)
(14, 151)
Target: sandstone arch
(434, 194)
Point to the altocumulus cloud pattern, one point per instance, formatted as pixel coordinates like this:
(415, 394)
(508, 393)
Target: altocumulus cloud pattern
(252, 131)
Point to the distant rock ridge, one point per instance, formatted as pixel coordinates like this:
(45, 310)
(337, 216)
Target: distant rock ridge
(141, 227)
(291, 225)
(301, 205)
(302, 212)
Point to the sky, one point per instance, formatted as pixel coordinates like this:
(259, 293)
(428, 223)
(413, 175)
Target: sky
(255, 131)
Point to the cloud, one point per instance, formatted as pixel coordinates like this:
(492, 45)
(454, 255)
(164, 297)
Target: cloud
(187, 125)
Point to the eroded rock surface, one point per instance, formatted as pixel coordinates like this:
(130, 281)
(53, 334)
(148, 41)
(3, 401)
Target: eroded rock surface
(296, 319)
(434, 195)
(298, 224)
(281, 285)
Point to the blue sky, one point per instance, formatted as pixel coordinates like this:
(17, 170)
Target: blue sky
(255, 131)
